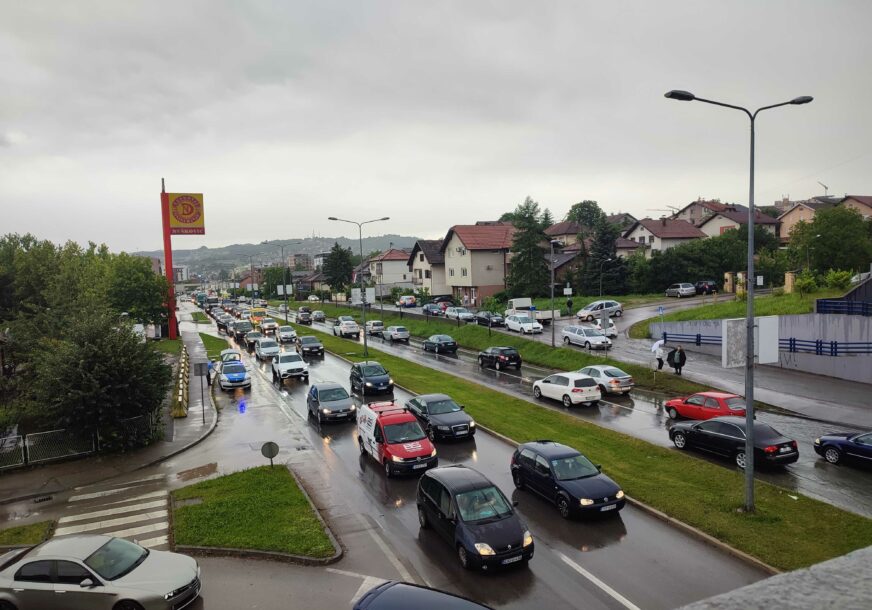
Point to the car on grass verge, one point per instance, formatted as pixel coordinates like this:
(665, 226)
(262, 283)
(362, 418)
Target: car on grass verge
(370, 377)
(396, 333)
(500, 358)
(706, 405)
(470, 513)
(233, 374)
(523, 324)
(441, 417)
(594, 310)
(569, 388)
(726, 436)
(394, 439)
(287, 365)
(96, 572)
(393, 595)
(840, 446)
(266, 349)
(610, 379)
(489, 318)
(683, 289)
(329, 401)
(286, 334)
(310, 346)
(345, 326)
(565, 478)
(585, 336)
(439, 344)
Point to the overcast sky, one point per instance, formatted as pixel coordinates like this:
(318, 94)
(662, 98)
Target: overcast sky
(433, 113)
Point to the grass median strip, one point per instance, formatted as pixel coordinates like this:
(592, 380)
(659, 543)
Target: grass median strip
(260, 508)
(788, 530)
(200, 317)
(26, 534)
(214, 345)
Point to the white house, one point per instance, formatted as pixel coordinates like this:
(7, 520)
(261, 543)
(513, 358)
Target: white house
(427, 265)
(662, 234)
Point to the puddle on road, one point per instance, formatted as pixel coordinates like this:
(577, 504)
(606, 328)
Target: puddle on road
(198, 472)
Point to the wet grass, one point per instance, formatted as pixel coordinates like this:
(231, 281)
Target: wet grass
(26, 534)
(199, 317)
(214, 345)
(169, 346)
(260, 508)
(787, 531)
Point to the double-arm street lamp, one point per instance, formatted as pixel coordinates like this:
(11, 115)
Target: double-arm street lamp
(686, 96)
(362, 286)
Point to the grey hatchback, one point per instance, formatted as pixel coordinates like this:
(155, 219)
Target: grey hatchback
(329, 401)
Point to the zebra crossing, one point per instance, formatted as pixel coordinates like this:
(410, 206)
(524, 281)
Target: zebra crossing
(137, 510)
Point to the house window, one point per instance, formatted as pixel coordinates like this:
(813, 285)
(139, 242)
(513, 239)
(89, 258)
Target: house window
(418, 271)
(463, 271)
(404, 276)
(650, 239)
(451, 271)
(378, 268)
(427, 274)
(421, 257)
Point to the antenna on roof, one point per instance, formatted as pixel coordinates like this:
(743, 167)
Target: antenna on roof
(826, 188)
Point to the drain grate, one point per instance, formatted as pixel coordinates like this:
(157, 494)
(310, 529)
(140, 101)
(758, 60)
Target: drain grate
(42, 499)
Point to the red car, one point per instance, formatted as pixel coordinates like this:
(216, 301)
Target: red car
(706, 405)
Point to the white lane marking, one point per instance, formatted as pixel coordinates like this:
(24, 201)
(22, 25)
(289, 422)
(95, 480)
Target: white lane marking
(89, 527)
(395, 561)
(98, 494)
(135, 531)
(347, 573)
(611, 592)
(368, 583)
(112, 511)
(153, 494)
(153, 477)
(153, 542)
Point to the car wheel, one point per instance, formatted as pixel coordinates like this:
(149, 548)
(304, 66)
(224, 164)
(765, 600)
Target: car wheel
(422, 519)
(481, 362)
(673, 414)
(567, 401)
(587, 345)
(566, 341)
(127, 604)
(517, 479)
(832, 455)
(602, 389)
(463, 557)
(619, 313)
(498, 366)
(679, 440)
(740, 459)
(590, 318)
(388, 472)
(563, 507)
(537, 393)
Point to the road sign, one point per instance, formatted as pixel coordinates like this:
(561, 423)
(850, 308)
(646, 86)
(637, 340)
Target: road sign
(734, 341)
(759, 280)
(287, 288)
(567, 292)
(370, 295)
(355, 296)
(660, 310)
(269, 450)
(201, 369)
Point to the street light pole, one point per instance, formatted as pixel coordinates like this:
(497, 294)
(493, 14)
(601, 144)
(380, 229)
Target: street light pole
(601, 275)
(685, 96)
(362, 287)
(558, 243)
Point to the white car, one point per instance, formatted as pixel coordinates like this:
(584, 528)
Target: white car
(268, 325)
(523, 324)
(313, 298)
(596, 309)
(396, 333)
(611, 380)
(345, 326)
(568, 388)
(461, 313)
(585, 336)
(285, 334)
(289, 364)
(610, 331)
(265, 348)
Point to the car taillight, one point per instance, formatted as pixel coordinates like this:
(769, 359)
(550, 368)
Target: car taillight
(576, 390)
(793, 444)
(771, 449)
(614, 382)
(503, 358)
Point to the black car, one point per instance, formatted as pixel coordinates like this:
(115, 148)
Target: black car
(369, 377)
(304, 317)
(726, 436)
(393, 595)
(309, 346)
(706, 287)
(474, 517)
(500, 358)
(440, 344)
(566, 478)
(251, 339)
(432, 309)
(845, 446)
(241, 328)
(441, 417)
(489, 318)
(443, 298)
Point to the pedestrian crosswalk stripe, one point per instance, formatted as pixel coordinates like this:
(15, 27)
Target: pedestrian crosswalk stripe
(98, 494)
(153, 542)
(113, 511)
(153, 494)
(135, 531)
(98, 525)
(152, 477)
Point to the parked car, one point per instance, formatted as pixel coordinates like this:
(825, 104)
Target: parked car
(681, 290)
(488, 318)
(706, 405)
(251, 339)
(706, 287)
(610, 331)
(374, 327)
(319, 316)
(523, 324)
(287, 365)
(610, 379)
(310, 346)
(432, 309)
(370, 377)
(500, 358)
(393, 595)
(474, 517)
(407, 300)
(565, 478)
(329, 401)
(726, 436)
(313, 298)
(265, 348)
(95, 572)
(441, 417)
(596, 309)
(286, 334)
(443, 298)
(569, 388)
(587, 337)
(396, 333)
(233, 374)
(845, 446)
(439, 344)
(524, 306)
(459, 313)
(345, 326)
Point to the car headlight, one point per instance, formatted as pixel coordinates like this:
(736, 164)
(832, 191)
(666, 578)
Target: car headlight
(325, 411)
(390, 380)
(223, 377)
(586, 501)
(396, 459)
(817, 441)
(472, 423)
(368, 384)
(433, 453)
(484, 548)
(528, 538)
(353, 407)
(620, 494)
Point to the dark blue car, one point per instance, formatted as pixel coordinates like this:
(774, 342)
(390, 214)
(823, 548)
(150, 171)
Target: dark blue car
(563, 476)
(845, 445)
(394, 595)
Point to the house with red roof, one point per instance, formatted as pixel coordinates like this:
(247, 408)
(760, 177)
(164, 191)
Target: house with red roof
(697, 211)
(662, 233)
(390, 269)
(860, 203)
(477, 259)
(566, 231)
(732, 217)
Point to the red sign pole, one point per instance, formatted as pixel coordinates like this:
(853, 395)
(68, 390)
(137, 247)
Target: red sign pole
(168, 260)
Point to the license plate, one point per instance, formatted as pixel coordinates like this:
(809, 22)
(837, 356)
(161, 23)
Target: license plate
(784, 450)
(417, 466)
(462, 433)
(610, 507)
(512, 559)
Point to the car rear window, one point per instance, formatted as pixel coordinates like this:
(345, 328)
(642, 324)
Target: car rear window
(615, 373)
(401, 329)
(585, 383)
(509, 352)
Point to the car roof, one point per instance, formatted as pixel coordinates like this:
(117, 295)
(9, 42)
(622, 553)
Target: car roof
(459, 478)
(394, 595)
(717, 394)
(551, 449)
(76, 547)
(374, 362)
(433, 397)
(572, 375)
(740, 421)
(327, 385)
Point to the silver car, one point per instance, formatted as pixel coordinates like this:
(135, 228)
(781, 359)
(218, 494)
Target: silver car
(396, 333)
(683, 289)
(266, 349)
(611, 380)
(329, 401)
(589, 338)
(462, 313)
(286, 333)
(95, 573)
(595, 310)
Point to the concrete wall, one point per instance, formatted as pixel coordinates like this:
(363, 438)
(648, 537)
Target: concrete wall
(829, 327)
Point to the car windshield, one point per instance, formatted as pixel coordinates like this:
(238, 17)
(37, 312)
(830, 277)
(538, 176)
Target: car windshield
(440, 407)
(332, 394)
(267, 321)
(253, 336)
(403, 433)
(116, 558)
(285, 329)
(461, 310)
(525, 320)
(736, 403)
(266, 344)
(290, 358)
(233, 368)
(374, 369)
(346, 319)
(615, 373)
(575, 467)
(482, 504)
(592, 332)
(309, 340)
(243, 326)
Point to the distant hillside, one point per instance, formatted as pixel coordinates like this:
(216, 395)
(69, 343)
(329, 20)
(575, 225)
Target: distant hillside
(212, 260)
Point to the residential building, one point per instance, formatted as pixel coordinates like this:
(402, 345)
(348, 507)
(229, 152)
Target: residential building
(626, 247)
(477, 259)
(732, 218)
(566, 231)
(362, 269)
(390, 268)
(622, 219)
(697, 211)
(301, 262)
(662, 234)
(861, 203)
(785, 203)
(314, 282)
(427, 265)
(180, 273)
(802, 211)
(318, 259)
(566, 265)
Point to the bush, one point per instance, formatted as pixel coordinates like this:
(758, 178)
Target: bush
(778, 292)
(806, 283)
(837, 280)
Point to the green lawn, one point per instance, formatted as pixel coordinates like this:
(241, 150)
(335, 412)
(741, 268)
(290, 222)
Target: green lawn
(261, 508)
(785, 532)
(199, 316)
(214, 345)
(26, 534)
(169, 346)
(627, 300)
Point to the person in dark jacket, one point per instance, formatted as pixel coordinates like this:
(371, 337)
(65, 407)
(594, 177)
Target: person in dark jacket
(676, 359)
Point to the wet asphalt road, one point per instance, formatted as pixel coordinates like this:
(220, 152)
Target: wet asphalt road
(642, 415)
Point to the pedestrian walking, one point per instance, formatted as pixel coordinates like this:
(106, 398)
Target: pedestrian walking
(659, 355)
(677, 359)
(465, 300)
(209, 373)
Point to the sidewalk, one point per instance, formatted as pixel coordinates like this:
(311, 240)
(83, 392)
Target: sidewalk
(183, 433)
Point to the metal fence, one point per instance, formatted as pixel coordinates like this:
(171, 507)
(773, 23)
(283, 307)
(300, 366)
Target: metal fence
(851, 308)
(57, 444)
(819, 347)
(11, 451)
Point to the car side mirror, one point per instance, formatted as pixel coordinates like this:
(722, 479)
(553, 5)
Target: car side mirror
(599, 467)
(462, 407)
(87, 583)
(515, 503)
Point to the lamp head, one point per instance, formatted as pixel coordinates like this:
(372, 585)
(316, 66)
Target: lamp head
(385, 218)
(332, 218)
(681, 96)
(803, 99)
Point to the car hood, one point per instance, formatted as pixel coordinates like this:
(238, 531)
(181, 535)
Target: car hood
(411, 449)
(161, 572)
(337, 405)
(595, 487)
(450, 419)
(499, 534)
(290, 366)
(270, 350)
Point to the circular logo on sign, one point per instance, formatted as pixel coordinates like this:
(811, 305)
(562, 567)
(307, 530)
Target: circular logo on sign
(186, 209)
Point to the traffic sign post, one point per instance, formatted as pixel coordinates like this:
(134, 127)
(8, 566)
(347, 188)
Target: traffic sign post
(269, 450)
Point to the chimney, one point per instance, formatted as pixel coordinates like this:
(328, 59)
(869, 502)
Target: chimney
(663, 220)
